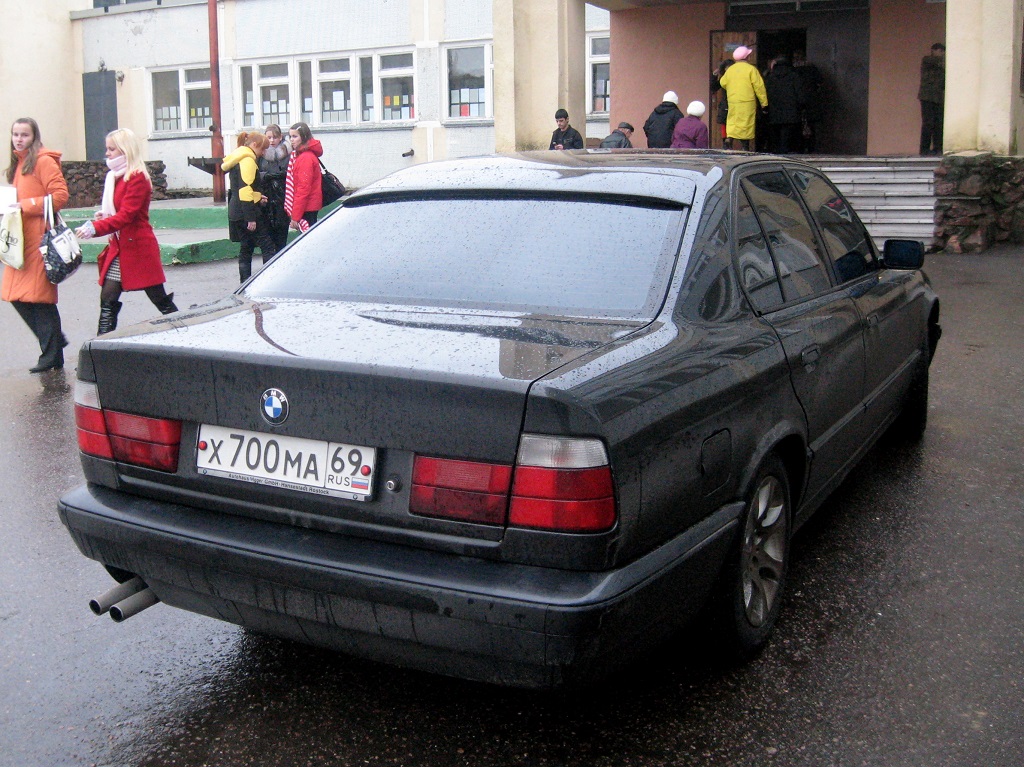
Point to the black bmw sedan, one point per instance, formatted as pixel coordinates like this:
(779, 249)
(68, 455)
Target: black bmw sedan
(511, 418)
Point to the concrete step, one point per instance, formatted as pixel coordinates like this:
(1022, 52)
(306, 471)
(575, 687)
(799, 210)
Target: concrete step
(884, 213)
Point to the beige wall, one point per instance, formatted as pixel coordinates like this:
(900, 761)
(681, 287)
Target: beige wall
(539, 66)
(41, 72)
(897, 47)
(656, 50)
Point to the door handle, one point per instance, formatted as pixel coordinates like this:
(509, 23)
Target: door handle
(810, 355)
(872, 320)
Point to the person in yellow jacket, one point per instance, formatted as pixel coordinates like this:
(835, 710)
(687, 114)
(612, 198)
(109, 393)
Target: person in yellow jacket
(744, 89)
(248, 223)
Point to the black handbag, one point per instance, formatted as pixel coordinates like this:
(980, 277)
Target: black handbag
(62, 255)
(330, 187)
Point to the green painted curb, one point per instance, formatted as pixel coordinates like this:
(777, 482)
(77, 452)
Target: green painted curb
(186, 253)
(206, 217)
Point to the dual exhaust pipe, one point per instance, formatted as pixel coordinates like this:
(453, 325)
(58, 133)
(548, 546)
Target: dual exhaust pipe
(124, 600)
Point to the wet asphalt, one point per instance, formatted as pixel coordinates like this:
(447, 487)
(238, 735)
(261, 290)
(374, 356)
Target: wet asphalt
(900, 642)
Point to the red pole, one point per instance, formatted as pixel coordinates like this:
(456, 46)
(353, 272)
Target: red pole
(217, 139)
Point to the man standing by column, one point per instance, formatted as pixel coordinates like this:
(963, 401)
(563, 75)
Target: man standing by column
(565, 136)
(932, 95)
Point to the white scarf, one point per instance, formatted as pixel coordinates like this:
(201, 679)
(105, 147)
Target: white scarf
(118, 165)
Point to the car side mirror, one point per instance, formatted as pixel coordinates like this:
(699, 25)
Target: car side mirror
(903, 254)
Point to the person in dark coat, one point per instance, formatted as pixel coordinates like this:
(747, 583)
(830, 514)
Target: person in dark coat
(662, 122)
(811, 86)
(565, 136)
(785, 95)
(932, 94)
(619, 138)
(722, 111)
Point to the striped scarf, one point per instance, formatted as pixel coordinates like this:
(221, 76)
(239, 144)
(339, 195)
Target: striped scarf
(289, 193)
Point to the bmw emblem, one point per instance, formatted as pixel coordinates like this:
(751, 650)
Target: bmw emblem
(275, 407)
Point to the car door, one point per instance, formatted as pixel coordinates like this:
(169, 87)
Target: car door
(819, 326)
(880, 296)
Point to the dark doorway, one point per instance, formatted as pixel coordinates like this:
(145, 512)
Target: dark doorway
(100, 92)
(780, 42)
(836, 44)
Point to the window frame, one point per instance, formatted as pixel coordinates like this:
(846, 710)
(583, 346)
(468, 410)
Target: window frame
(296, 82)
(819, 249)
(595, 60)
(184, 89)
(488, 86)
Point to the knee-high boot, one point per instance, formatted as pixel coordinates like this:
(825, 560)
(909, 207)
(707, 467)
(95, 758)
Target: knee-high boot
(166, 304)
(108, 316)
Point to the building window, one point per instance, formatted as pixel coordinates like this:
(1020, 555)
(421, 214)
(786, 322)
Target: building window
(166, 101)
(335, 90)
(366, 87)
(274, 93)
(468, 75)
(248, 98)
(599, 74)
(198, 99)
(177, 92)
(306, 91)
(397, 98)
(331, 90)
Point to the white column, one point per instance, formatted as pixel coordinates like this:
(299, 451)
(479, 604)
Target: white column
(539, 66)
(984, 107)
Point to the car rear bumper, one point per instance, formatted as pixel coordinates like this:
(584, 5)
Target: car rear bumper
(473, 618)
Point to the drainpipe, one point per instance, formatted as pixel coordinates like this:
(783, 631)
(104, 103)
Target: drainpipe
(217, 138)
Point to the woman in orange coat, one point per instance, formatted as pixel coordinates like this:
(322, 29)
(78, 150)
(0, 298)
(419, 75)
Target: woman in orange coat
(35, 172)
(131, 260)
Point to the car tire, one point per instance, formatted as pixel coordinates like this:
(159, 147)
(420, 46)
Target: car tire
(755, 573)
(913, 418)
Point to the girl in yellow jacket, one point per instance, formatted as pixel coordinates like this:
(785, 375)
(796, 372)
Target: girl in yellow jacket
(247, 220)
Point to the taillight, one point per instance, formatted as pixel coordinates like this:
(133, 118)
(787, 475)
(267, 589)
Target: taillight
(563, 484)
(464, 490)
(560, 483)
(134, 439)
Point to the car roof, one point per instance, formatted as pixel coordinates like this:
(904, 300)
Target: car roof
(672, 175)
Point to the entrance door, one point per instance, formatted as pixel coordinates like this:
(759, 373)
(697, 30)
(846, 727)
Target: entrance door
(100, 92)
(723, 43)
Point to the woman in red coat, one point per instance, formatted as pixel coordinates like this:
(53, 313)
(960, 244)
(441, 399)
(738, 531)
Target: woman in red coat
(131, 260)
(35, 172)
(303, 197)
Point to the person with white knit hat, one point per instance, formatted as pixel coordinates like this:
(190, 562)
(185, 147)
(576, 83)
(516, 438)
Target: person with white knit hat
(662, 122)
(691, 132)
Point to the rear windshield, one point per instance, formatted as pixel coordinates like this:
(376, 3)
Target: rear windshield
(577, 256)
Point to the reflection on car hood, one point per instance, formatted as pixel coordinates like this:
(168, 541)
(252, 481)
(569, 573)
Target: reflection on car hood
(423, 341)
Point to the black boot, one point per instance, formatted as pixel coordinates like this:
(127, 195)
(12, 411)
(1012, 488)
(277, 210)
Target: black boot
(108, 316)
(166, 304)
(244, 270)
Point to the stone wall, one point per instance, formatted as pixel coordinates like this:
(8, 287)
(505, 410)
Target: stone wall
(85, 181)
(980, 201)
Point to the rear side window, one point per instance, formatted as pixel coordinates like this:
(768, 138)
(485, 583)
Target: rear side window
(754, 260)
(789, 233)
(845, 237)
(563, 256)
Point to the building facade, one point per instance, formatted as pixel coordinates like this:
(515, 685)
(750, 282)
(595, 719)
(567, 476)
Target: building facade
(382, 84)
(393, 82)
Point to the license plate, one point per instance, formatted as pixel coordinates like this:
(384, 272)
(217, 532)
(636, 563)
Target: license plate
(308, 465)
